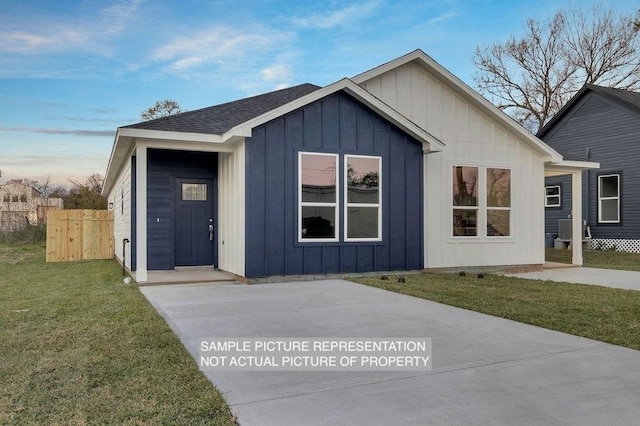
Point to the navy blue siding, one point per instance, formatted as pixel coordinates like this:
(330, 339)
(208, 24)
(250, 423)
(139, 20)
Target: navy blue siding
(611, 132)
(163, 168)
(336, 124)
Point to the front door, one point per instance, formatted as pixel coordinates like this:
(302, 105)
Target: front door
(194, 226)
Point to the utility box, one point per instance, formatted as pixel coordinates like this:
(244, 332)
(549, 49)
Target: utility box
(564, 229)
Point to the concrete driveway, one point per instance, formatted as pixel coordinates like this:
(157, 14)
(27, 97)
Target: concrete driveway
(486, 370)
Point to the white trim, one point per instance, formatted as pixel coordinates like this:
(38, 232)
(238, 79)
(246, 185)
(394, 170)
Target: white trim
(600, 198)
(346, 203)
(547, 196)
(435, 144)
(335, 204)
(141, 213)
(465, 91)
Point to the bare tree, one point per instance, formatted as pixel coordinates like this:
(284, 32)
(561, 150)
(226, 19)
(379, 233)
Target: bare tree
(161, 109)
(532, 77)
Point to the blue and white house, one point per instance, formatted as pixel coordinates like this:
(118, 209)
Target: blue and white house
(403, 167)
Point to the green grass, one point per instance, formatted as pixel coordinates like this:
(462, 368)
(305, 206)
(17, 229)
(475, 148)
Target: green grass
(606, 259)
(600, 313)
(79, 347)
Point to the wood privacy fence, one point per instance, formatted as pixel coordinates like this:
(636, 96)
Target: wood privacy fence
(79, 234)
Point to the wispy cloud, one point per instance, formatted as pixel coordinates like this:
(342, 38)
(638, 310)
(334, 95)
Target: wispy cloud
(217, 45)
(101, 133)
(443, 17)
(41, 35)
(337, 17)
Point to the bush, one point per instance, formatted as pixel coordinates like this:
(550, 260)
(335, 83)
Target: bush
(28, 234)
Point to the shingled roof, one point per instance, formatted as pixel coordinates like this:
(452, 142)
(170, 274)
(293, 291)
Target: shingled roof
(623, 97)
(218, 119)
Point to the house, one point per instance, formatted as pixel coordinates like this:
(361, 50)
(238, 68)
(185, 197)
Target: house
(403, 167)
(21, 204)
(599, 124)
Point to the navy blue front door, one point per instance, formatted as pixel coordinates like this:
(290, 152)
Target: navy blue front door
(195, 237)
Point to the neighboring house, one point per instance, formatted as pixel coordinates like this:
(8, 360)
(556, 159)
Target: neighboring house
(603, 125)
(403, 167)
(21, 204)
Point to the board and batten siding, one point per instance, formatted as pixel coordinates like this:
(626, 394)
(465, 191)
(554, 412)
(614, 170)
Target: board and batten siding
(341, 125)
(120, 199)
(472, 138)
(231, 210)
(611, 133)
(163, 167)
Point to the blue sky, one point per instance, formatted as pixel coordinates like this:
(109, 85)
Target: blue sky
(71, 72)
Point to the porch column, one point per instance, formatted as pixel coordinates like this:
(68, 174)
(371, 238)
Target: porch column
(141, 215)
(576, 217)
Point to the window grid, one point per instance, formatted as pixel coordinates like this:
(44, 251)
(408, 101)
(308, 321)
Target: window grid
(302, 229)
(606, 200)
(363, 205)
(552, 196)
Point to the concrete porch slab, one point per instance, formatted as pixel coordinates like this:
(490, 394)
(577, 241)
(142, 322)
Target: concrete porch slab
(187, 275)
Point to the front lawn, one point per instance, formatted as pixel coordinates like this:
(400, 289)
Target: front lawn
(79, 347)
(600, 313)
(606, 259)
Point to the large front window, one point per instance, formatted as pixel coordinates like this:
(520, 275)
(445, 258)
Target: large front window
(481, 201)
(609, 198)
(318, 195)
(363, 219)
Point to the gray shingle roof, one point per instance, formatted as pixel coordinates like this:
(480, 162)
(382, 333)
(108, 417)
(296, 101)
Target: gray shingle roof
(629, 98)
(218, 119)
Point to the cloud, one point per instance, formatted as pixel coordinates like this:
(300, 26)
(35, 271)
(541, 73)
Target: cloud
(277, 72)
(46, 35)
(100, 133)
(443, 17)
(215, 46)
(337, 17)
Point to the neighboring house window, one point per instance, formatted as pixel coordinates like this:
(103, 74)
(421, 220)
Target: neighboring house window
(465, 201)
(363, 198)
(23, 198)
(552, 196)
(318, 196)
(495, 208)
(15, 198)
(609, 198)
(498, 202)
(6, 198)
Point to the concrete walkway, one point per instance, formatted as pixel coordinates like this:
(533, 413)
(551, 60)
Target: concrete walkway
(486, 370)
(628, 280)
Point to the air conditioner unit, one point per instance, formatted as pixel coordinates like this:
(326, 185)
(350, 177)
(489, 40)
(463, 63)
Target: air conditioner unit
(564, 229)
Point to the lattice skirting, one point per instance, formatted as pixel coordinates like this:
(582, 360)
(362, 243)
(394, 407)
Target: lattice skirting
(632, 246)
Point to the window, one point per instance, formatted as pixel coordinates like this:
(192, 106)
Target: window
(193, 192)
(609, 198)
(318, 195)
(23, 198)
(498, 202)
(465, 201)
(481, 207)
(552, 196)
(363, 218)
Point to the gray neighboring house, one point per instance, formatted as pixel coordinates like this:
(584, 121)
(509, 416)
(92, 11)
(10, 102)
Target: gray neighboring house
(602, 125)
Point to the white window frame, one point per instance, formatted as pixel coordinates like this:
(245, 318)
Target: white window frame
(302, 204)
(547, 196)
(477, 208)
(346, 203)
(487, 207)
(600, 198)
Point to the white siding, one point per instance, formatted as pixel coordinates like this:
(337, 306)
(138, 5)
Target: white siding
(231, 205)
(120, 198)
(471, 138)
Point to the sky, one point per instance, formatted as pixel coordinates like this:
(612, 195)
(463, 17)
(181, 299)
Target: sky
(72, 72)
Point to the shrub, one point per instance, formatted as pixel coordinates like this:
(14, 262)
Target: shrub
(28, 234)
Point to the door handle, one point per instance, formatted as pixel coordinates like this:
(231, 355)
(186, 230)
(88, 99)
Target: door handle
(210, 230)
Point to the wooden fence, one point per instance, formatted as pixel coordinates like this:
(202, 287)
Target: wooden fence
(79, 234)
